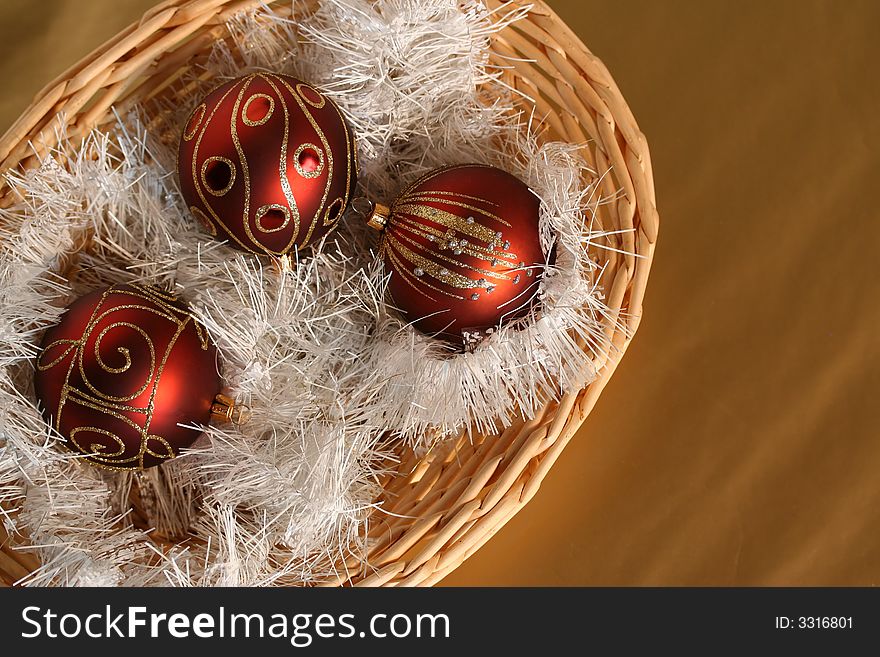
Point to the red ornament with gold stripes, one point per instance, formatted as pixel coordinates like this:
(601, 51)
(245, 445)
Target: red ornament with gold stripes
(464, 252)
(267, 163)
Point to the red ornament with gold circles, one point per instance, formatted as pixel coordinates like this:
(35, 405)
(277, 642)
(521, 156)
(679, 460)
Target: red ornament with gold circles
(267, 163)
(464, 251)
(121, 373)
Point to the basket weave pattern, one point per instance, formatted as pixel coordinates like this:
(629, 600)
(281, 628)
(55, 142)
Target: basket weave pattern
(446, 505)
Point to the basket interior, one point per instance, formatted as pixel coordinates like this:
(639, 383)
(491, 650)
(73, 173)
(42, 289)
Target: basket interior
(441, 507)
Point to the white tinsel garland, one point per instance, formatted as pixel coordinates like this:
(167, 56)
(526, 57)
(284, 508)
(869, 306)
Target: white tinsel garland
(326, 367)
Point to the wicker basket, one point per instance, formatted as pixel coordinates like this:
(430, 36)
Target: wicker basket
(444, 506)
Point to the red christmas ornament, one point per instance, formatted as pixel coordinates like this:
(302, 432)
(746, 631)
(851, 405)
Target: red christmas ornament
(463, 248)
(267, 163)
(121, 371)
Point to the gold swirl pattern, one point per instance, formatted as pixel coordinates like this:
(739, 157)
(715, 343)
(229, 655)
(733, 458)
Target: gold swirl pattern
(195, 120)
(255, 100)
(195, 181)
(297, 156)
(311, 95)
(215, 162)
(97, 447)
(419, 235)
(104, 446)
(272, 208)
(158, 447)
(233, 130)
(207, 224)
(334, 211)
(126, 353)
(317, 128)
(270, 109)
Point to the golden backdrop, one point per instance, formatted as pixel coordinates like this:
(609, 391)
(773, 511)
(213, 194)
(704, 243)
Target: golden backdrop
(737, 444)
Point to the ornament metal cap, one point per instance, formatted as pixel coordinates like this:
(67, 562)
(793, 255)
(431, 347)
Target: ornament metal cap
(225, 409)
(379, 216)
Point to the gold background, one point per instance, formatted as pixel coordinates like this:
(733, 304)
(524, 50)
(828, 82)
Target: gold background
(737, 443)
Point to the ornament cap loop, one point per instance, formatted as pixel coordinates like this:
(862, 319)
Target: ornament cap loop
(225, 409)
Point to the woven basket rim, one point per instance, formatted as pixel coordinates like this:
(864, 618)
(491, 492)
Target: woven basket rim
(444, 509)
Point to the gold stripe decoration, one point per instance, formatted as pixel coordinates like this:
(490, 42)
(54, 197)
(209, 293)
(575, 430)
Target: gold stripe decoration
(463, 247)
(267, 163)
